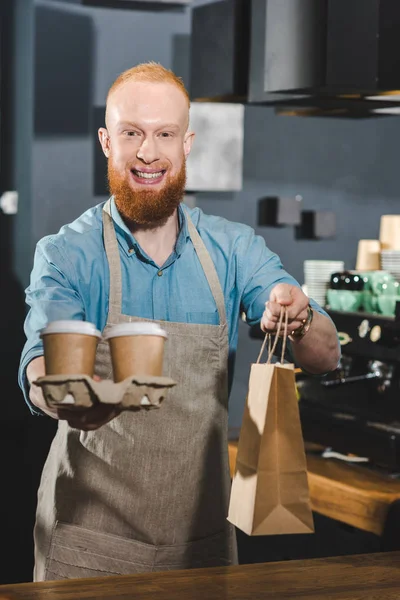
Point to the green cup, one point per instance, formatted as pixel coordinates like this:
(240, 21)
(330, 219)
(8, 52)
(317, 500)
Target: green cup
(350, 301)
(369, 302)
(367, 278)
(333, 299)
(381, 282)
(387, 305)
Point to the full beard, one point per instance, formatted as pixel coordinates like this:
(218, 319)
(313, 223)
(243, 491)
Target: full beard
(146, 208)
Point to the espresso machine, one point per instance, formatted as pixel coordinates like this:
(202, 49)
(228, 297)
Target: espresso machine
(356, 408)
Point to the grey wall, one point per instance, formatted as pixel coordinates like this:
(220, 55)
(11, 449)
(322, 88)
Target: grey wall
(346, 166)
(22, 116)
(92, 45)
(350, 167)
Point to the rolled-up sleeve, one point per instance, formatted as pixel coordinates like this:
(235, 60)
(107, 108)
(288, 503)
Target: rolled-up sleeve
(260, 271)
(52, 295)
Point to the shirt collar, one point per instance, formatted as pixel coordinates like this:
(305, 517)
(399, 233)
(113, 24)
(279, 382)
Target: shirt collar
(129, 242)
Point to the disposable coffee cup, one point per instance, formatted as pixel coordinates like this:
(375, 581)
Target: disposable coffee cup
(136, 349)
(70, 347)
(368, 255)
(389, 232)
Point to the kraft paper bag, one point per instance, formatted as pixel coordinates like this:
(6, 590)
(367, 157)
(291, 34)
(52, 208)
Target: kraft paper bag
(270, 494)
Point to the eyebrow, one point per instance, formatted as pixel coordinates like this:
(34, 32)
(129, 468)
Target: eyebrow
(164, 126)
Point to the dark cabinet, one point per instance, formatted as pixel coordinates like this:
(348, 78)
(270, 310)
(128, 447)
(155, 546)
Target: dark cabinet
(363, 45)
(287, 47)
(220, 46)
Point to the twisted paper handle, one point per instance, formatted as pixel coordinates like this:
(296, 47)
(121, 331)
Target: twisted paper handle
(284, 312)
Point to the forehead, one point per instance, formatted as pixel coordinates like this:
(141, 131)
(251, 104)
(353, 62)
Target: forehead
(148, 104)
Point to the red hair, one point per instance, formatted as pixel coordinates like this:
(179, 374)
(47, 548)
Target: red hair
(151, 72)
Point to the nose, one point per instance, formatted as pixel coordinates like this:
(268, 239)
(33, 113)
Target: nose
(148, 151)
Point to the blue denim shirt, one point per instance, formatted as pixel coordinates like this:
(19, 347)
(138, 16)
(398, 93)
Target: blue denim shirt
(70, 278)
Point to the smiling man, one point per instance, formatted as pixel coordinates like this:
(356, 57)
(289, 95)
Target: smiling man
(146, 167)
(129, 492)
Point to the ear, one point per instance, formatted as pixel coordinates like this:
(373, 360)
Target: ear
(188, 142)
(104, 141)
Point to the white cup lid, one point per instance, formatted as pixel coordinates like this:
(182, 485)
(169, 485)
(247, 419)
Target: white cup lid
(72, 326)
(138, 328)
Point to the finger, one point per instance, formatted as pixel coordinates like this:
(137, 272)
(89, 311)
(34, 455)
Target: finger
(83, 426)
(295, 312)
(268, 325)
(90, 419)
(281, 294)
(273, 310)
(293, 298)
(66, 414)
(90, 426)
(49, 412)
(272, 321)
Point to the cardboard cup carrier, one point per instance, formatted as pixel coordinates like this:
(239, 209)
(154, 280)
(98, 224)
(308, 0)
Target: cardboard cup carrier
(137, 354)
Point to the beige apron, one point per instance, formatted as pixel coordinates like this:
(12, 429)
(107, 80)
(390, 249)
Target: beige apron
(148, 491)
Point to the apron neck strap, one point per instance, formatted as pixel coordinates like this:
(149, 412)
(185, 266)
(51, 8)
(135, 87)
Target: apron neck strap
(209, 269)
(114, 264)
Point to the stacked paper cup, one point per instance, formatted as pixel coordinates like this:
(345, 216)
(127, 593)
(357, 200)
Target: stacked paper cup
(390, 260)
(317, 275)
(389, 235)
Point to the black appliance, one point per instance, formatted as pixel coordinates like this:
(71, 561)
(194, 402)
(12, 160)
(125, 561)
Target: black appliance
(356, 408)
(335, 58)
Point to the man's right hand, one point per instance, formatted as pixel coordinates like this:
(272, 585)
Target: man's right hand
(85, 420)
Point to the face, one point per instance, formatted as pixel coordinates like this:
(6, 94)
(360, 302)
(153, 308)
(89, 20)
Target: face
(146, 142)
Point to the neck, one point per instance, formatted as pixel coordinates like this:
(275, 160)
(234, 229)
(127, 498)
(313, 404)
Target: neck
(159, 241)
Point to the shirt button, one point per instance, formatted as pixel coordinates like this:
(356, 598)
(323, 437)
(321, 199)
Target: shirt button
(159, 273)
(131, 250)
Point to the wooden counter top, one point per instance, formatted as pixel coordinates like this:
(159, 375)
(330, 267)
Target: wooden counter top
(349, 493)
(363, 577)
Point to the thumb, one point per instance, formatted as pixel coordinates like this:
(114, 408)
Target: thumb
(281, 294)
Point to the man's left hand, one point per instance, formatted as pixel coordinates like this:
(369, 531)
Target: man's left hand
(89, 419)
(291, 296)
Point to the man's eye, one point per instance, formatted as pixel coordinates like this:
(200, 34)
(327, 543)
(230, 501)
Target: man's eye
(165, 134)
(131, 133)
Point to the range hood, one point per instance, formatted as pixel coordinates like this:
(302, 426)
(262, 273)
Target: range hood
(308, 53)
(135, 4)
(220, 51)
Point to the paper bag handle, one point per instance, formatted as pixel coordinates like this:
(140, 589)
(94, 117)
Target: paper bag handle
(271, 351)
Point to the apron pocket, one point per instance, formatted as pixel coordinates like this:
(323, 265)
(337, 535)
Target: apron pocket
(218, 550)
(77, 552)
(203, 318)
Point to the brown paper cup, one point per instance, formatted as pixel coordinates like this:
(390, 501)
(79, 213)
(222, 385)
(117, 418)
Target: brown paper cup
(368, 255)
(70, 347)
(136, 349)
(389, 232)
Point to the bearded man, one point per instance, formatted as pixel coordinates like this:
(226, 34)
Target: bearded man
(129, 492)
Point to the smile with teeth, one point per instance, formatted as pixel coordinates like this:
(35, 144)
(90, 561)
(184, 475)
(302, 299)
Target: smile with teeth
(144, 175)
